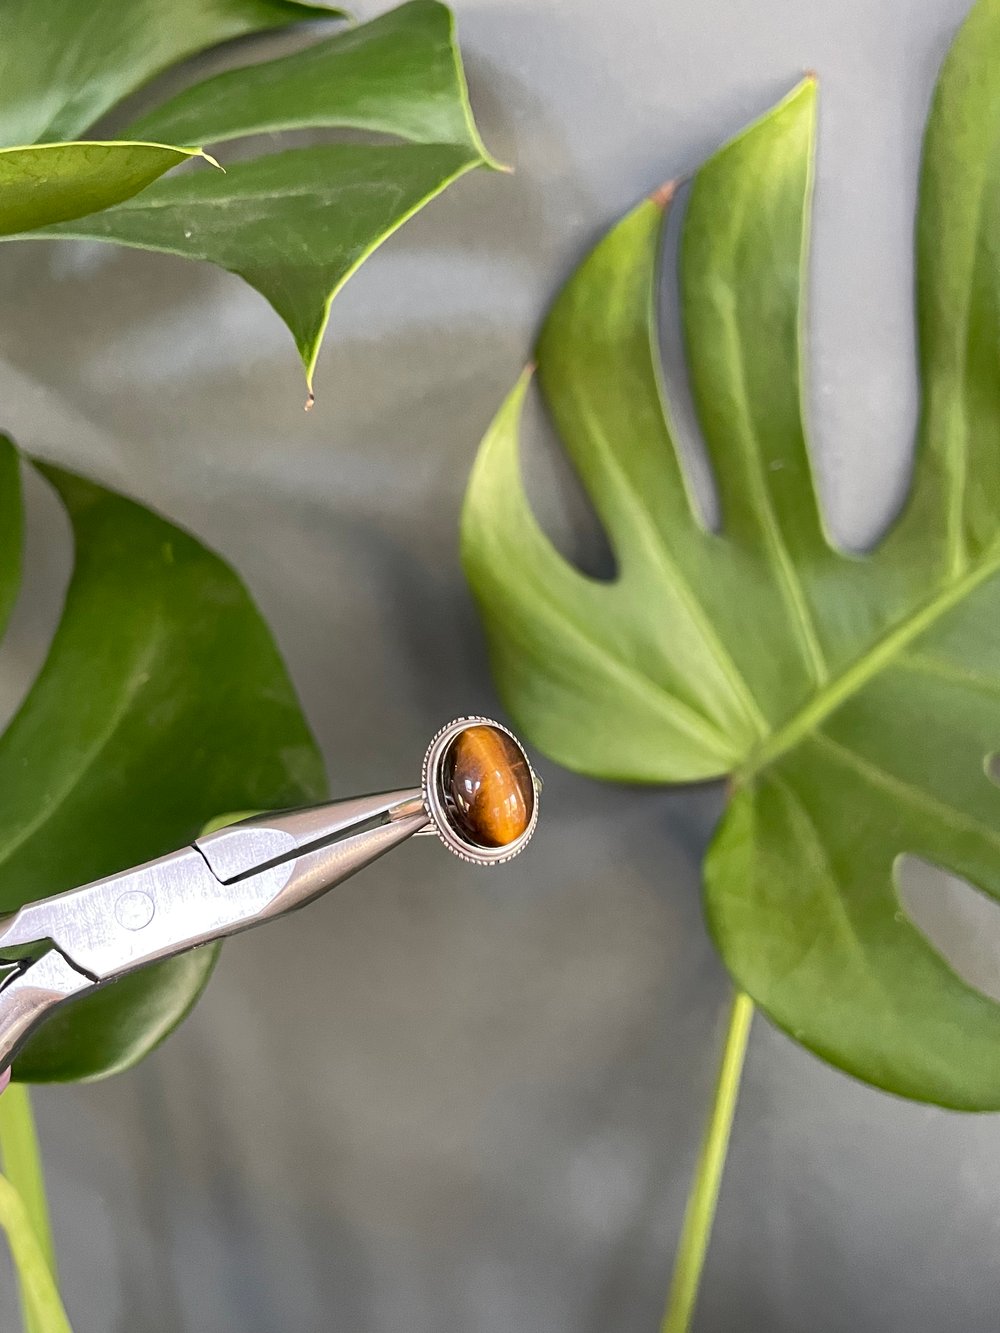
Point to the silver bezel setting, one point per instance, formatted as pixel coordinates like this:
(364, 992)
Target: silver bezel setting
(434, 798)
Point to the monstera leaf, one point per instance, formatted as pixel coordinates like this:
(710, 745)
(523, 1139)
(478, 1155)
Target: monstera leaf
(854, 702)
(295, 224)
(163, 702)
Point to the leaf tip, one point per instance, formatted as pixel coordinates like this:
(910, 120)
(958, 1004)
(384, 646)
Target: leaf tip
(307, 406)
(662, 196)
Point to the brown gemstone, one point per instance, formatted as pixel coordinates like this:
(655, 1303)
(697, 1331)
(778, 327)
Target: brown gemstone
(489, 784)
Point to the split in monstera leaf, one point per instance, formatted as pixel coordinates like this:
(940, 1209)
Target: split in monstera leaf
(852, 701)
(296, 223)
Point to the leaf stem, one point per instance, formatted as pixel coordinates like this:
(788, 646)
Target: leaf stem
(43, 1309)
(22, 1163)
(704, 1196)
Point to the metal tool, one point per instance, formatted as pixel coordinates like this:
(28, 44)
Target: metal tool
(242, 875)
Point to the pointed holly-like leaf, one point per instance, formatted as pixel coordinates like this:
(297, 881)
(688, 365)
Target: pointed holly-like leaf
(162, 703)
(400, 74)
(297, 224)
(46, 183)
(64, 63)
(854, 702)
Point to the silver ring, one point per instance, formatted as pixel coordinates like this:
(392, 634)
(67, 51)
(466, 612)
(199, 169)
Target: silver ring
(437, 807)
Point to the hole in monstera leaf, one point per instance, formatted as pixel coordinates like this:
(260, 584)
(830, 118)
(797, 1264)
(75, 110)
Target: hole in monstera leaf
(47, 564)
(558, 497)
(960, 922)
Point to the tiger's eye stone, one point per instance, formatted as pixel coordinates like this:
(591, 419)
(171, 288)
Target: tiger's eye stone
(489, 784)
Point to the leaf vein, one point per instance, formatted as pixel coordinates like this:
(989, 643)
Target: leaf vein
(141, 670)
(948, 671)
(882, 654)
(905, 791)
(823, 865)
(655, 547)
(774, 541)
(676, 710)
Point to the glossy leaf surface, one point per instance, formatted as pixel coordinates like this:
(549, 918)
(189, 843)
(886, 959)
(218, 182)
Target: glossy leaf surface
(47, 183)
(162, 703)
(853, 701)
(64, 63)
(296, 224)
(400, 74)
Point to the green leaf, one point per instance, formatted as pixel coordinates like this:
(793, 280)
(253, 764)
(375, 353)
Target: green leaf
(294, 225)
(297, 224)
(162, 703)
(64, 63)
(46, 183)
(400, 74)
(854, 701)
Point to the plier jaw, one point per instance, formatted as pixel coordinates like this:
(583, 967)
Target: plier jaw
(225, 882)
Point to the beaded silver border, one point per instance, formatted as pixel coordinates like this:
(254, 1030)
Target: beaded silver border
(434, 803)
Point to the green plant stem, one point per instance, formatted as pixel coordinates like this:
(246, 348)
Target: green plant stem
(704, 1196)
(43, 1309)
(22, 1165)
